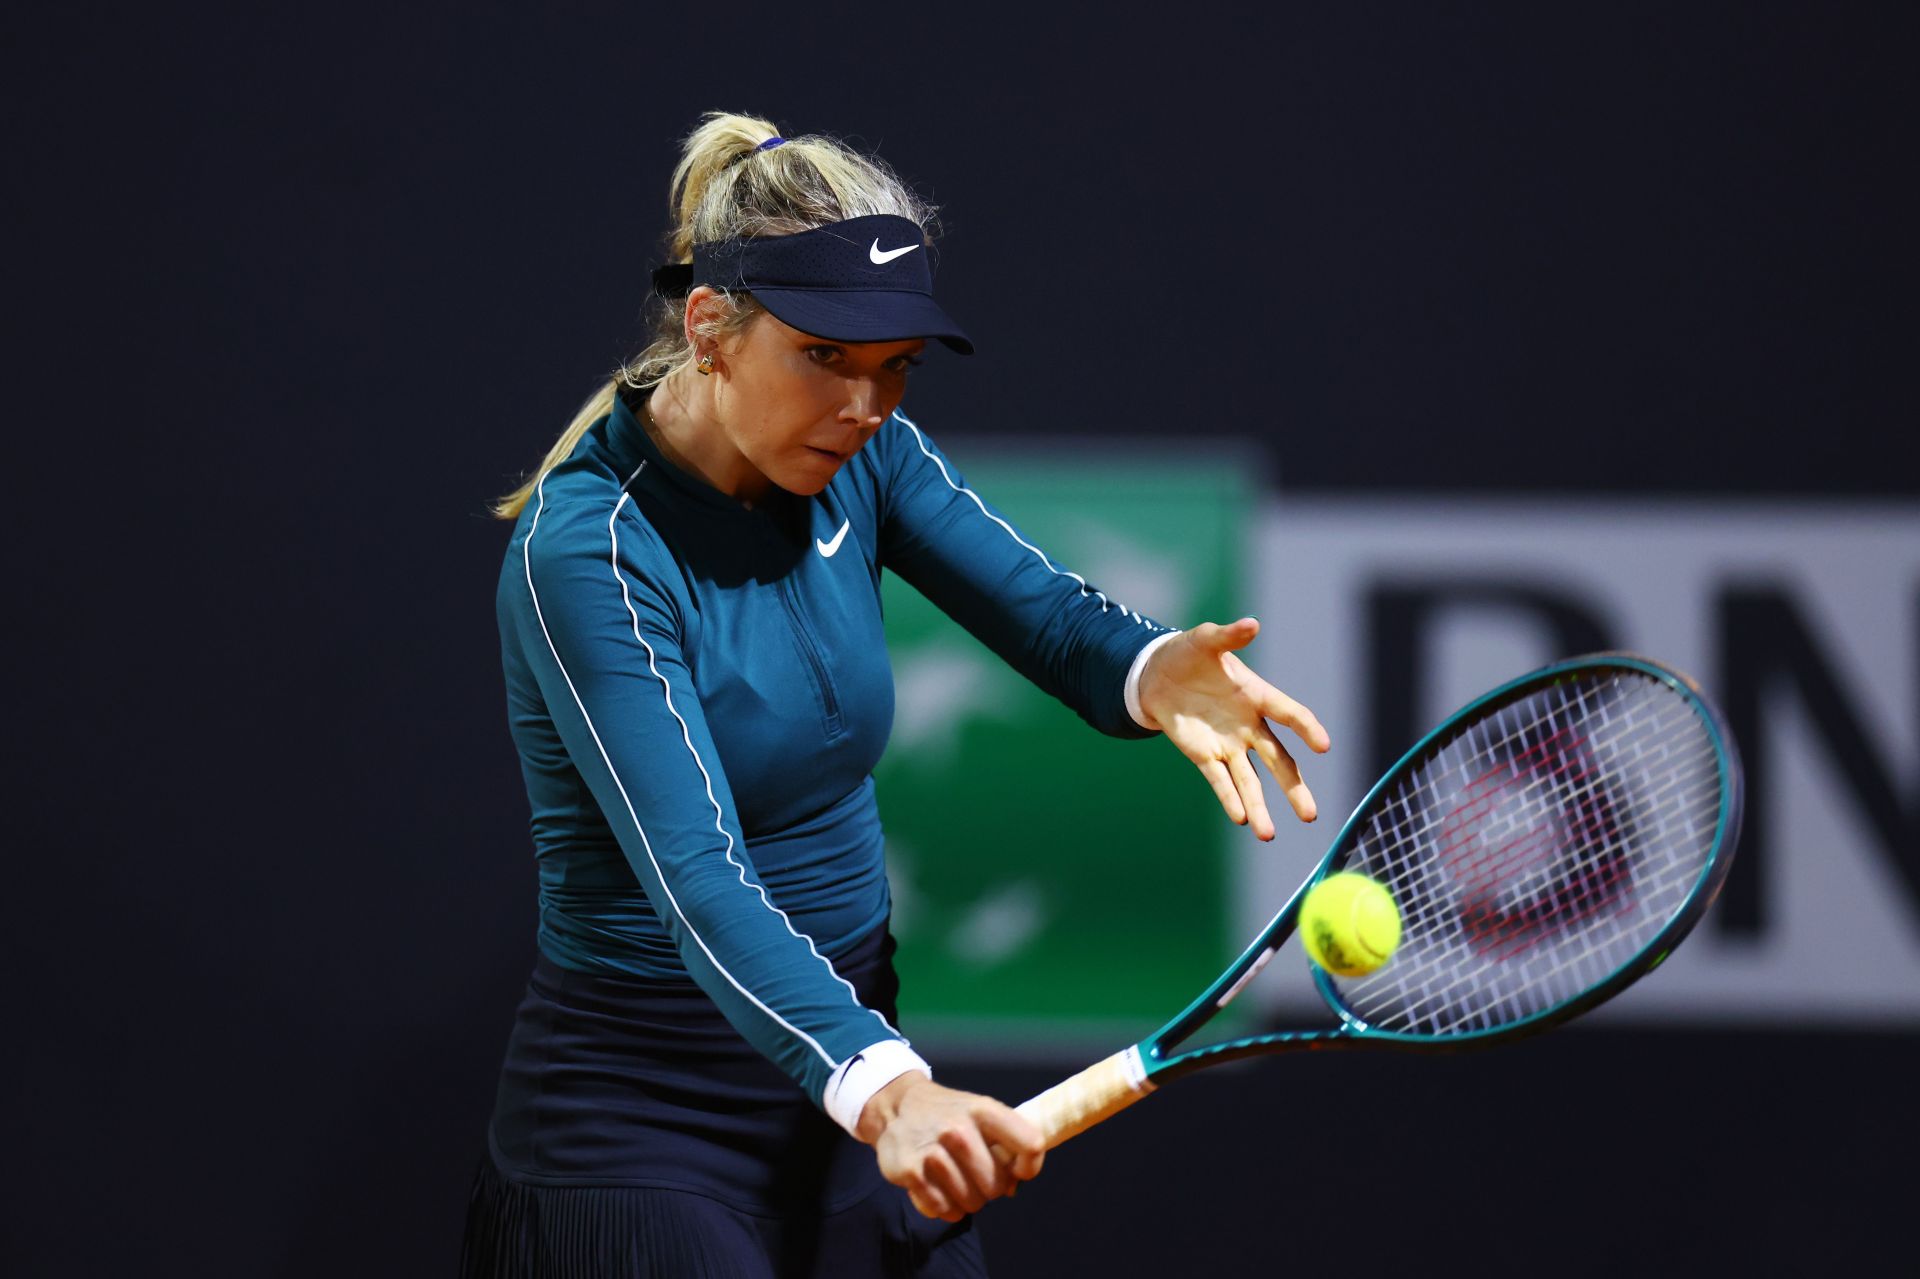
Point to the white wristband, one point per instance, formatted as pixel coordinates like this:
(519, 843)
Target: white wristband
(852, 1086)
(1133, 680)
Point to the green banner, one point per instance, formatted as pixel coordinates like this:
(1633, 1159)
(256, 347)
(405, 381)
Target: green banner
(1051, 883)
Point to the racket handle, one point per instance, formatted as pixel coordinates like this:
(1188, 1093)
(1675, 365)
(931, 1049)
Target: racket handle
(1100, 1091)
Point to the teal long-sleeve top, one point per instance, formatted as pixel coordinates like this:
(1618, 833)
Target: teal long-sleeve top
(699, 692)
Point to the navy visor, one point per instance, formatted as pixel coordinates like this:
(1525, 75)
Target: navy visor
(863, 280)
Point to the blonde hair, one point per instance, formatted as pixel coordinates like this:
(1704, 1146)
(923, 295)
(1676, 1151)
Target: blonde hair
(725, 187)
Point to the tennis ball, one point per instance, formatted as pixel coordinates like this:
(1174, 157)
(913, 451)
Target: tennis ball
(1349, 924)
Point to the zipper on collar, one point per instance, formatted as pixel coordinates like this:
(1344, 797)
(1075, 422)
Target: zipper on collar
(810, 650)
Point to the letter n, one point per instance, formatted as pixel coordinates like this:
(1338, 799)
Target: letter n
(1767, 653)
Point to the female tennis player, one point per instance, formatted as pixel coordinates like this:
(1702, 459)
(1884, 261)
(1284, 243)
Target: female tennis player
(697, 685)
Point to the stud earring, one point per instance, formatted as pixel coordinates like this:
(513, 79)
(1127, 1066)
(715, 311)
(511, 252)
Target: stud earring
(706, 365)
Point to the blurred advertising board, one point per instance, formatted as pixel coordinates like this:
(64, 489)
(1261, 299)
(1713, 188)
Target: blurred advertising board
(1052, 884)
(1055, 886)
(1802, 621)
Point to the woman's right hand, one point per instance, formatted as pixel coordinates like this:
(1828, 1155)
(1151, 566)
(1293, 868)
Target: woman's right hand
(936, 1143)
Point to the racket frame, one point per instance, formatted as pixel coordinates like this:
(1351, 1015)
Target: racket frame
(1158, 1063)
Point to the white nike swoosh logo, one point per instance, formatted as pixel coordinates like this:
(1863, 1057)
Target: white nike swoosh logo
(882, 258)
(827, 549)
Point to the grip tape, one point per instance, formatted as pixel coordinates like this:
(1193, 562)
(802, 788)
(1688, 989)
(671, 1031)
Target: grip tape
(1099, 1092)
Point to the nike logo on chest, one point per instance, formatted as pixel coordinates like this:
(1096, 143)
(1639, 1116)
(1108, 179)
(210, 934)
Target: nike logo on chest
(829, 549)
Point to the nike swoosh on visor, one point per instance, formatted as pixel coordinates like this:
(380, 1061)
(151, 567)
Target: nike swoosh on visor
(882, 257)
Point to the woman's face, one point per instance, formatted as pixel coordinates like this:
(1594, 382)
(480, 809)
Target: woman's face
(796, 407)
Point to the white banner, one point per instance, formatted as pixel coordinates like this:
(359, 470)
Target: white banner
(1801, 620)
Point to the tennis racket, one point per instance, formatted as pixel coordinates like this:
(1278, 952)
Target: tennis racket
(1548, 845)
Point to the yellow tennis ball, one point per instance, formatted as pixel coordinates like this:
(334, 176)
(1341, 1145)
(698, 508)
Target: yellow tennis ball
(1349, 924)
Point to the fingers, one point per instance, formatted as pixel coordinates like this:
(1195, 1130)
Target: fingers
(981, 1176)
(960, 1174)
(955, 1190)
(937, 1188)
(1224, 639)
(1271, 702)
(1013, 1134)
(1287, 773)
(1215, 771)
(1253, 799)
(1281, 709)
(1215, 723)
(929, 1203)
(980, 1150)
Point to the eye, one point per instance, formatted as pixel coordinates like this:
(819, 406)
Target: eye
(824, 354)
(901, 363)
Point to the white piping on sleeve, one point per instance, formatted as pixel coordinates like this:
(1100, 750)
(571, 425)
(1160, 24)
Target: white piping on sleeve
(1085, 590)
(647, 844)
(686, 735)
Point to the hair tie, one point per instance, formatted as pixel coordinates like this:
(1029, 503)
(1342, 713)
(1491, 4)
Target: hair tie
(768, 145)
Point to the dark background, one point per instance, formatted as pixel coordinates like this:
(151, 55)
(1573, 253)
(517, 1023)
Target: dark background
(294, 293)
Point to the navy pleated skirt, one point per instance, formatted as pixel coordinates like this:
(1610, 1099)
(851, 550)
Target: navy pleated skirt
(635, 1133)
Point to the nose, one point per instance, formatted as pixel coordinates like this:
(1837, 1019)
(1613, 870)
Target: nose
(865, 406)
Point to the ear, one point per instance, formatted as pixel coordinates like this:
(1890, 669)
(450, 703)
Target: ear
(703, 304)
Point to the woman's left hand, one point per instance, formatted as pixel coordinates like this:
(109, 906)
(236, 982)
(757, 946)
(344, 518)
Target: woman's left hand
(1215, 709)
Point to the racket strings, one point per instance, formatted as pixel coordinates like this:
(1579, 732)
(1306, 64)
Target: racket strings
(1574, 963)
(1537, 852)
(1593, 864)
(1425, 780)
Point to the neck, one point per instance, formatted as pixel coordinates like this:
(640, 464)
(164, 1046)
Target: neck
(682, 420)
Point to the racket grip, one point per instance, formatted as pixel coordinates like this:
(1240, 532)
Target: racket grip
(1097, 1093)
